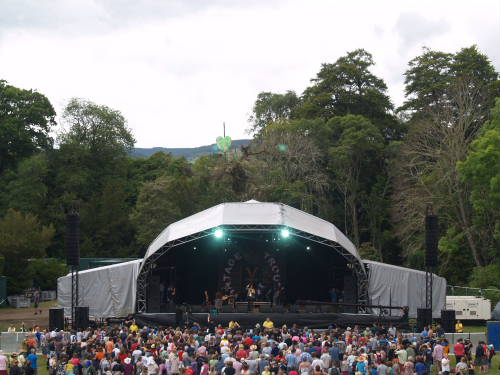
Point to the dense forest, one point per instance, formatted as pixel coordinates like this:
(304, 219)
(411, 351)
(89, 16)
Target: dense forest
(340, 150)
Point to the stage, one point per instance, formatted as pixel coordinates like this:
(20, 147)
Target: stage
(249, 320)
(263, 258)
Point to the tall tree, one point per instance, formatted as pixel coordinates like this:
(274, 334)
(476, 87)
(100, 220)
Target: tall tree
(270, 107)
(26, 119)
(427, 168)
(429, 78)
(92, 166)
(348, 87)
(353, 160)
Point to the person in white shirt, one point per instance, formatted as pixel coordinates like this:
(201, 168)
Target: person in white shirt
(327, 359)
(445, 364)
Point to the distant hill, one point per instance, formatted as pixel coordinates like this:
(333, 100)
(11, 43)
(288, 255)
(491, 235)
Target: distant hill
(188, 153)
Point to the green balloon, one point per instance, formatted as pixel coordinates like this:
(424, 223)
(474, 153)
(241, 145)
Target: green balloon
(224, 143)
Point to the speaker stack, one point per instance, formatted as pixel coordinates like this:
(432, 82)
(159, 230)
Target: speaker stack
(431, 241)
(448, 320)
(56, 319)
(424, 319)
(73, 239)
(82, 317)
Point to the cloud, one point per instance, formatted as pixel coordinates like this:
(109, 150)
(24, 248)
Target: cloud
(177, 69)
(415, 29)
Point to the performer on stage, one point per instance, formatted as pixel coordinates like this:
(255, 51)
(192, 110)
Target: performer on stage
(250, 295)
(171, 294)
(218, 301)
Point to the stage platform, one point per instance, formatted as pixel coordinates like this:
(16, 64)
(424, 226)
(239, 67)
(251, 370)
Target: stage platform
(247, 320)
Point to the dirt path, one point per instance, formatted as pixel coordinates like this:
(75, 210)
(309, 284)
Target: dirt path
(9, 316)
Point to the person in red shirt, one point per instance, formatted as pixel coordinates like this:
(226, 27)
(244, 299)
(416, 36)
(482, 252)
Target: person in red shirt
(241, 353)
(459, 350)
(248, 341)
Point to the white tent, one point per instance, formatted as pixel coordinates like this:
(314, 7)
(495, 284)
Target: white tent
(108, 291)
(399, 286)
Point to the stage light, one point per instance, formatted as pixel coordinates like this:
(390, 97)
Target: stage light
(218, 233)
(285, 233)
(308, 248)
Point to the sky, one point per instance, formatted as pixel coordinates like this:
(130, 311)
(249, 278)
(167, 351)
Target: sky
(178, 69)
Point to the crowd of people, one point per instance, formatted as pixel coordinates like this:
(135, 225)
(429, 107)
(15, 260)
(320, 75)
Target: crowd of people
(129, 349)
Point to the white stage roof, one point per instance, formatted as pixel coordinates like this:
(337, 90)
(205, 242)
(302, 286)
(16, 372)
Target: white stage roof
(252, 213)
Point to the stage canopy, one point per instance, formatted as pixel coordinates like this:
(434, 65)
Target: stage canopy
(252, 213)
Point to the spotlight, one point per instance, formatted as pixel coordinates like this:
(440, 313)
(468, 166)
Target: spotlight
(308, 248)
(218, 233)
(194, 247)
(285, 233)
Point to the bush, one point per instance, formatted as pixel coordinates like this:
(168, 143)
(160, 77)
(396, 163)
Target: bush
(485, 277)
(46, 272)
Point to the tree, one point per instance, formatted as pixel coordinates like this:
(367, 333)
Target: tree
(286, 167)
(100, 129)
(431, 75)
(160, 203)
(25, 189)
(26, 119)
(106, 230)
(348, 87)
(480, 171)
(427, 168)
(270, 107)
(426, 80)
(46, 272)
(22, 237)
(353, 158)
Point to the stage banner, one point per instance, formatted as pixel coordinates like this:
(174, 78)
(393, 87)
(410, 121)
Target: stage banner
(263, 271)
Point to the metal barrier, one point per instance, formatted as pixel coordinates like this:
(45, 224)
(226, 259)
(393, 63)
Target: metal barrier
(12, 341)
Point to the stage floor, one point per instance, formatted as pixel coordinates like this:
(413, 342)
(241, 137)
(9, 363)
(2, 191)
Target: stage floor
(248, 320)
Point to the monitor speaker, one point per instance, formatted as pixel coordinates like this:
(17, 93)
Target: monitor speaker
(82, 317)
(448, 320)
(424, 318)
(56, 319)
(73, 239)
(431, 240)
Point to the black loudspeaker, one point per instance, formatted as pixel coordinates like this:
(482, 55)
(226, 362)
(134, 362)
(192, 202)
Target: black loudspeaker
(431, 240)
(424, 318)
(81, 317)
(448, 320)
(179, 313)
(153, 295)
(73, 239)
(56, 319)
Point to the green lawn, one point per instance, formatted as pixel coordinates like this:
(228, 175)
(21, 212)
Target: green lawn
(474, 329)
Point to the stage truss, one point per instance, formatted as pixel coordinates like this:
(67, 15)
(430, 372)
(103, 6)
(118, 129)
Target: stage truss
(149, 263)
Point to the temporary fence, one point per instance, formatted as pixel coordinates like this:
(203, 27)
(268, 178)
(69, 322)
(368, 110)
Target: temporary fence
(12, 341)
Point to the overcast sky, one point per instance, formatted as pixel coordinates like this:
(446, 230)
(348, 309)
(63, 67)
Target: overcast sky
(177, 69)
